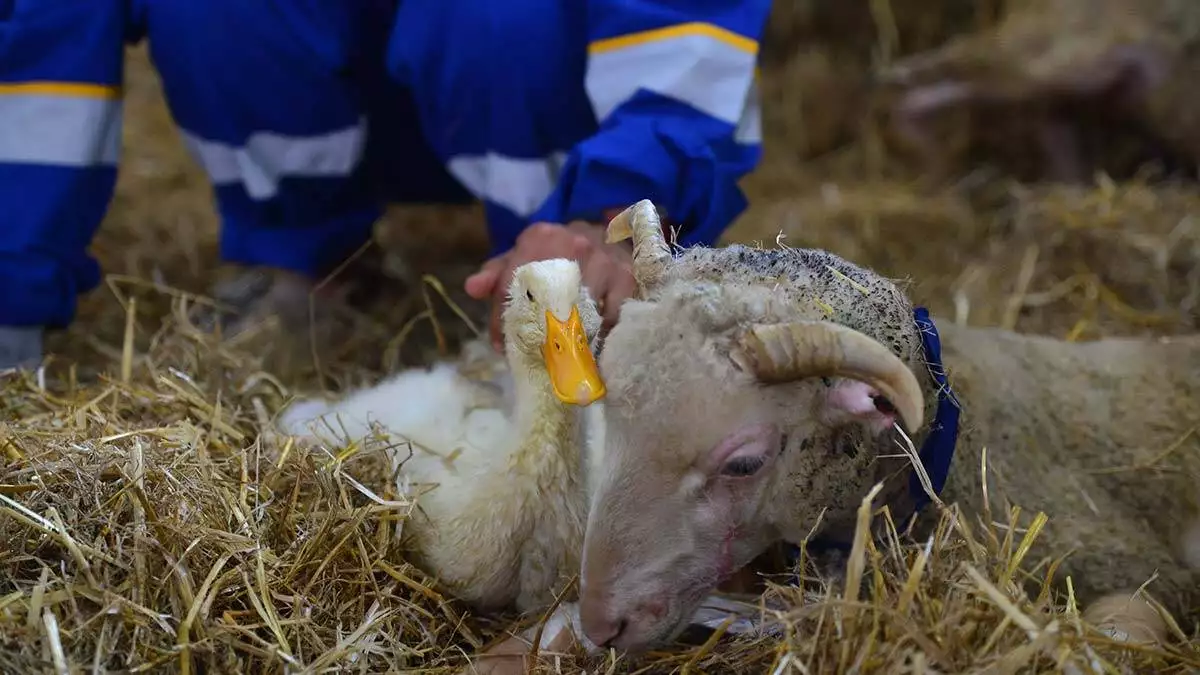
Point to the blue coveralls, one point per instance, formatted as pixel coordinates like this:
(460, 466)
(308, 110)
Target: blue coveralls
(309, 115)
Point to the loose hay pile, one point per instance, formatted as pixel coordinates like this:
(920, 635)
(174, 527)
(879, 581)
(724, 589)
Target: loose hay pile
(149, 524)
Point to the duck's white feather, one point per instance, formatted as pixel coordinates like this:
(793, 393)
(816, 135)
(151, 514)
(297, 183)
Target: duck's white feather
(503, 522)
(438, 412)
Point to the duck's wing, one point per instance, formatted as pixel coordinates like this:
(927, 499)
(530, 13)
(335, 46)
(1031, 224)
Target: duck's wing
(427, 403)
(490, 374)
(426, 417)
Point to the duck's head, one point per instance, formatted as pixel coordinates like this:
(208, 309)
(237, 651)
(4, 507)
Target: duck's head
(551, 319)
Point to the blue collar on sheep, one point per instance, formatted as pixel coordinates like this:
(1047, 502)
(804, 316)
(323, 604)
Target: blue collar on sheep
(938, 449)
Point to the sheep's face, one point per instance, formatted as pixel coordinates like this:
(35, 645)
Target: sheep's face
(696, 455)
(551, 320)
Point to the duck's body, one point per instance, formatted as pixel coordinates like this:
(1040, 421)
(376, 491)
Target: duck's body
(492, 450)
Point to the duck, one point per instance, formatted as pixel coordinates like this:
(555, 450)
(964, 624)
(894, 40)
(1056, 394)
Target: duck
(498, 441)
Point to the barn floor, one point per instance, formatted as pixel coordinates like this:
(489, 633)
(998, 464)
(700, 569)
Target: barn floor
(127, 553)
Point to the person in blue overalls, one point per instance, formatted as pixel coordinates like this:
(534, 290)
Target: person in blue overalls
(308, 116)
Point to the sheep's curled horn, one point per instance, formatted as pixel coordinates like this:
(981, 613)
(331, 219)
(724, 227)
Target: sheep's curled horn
(650, 252)
(786, 352)
(782, 352)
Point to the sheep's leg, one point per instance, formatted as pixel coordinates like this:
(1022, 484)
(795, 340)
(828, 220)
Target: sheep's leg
(1122, 554)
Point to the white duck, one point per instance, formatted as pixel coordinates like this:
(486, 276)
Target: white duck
(504, 523)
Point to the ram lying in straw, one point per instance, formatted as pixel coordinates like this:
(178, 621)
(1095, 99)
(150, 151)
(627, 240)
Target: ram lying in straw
(757, 396)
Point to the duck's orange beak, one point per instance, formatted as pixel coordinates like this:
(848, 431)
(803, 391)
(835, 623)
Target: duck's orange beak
(573, 372)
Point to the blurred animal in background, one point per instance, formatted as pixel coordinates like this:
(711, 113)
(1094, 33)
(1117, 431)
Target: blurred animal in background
(1054, 72)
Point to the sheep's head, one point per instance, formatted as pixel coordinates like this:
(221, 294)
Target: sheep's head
(733, 413)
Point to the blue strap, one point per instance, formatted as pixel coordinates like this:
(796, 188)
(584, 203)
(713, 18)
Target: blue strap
(938, 449)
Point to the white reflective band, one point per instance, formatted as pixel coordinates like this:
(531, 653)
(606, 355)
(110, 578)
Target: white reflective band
(59, 129)
(749, 128)
(268, 157)
(519, 185)
(706, 67)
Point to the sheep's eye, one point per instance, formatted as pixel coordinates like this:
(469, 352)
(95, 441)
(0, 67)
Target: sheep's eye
(743, 466)
(529, 294)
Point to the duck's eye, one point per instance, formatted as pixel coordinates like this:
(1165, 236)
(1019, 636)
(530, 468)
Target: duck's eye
(529, 294)
(743, 466)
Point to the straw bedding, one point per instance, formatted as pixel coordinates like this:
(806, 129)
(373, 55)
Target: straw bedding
(150, 522)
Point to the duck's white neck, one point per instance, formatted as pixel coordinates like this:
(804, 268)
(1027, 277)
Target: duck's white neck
(541, 421)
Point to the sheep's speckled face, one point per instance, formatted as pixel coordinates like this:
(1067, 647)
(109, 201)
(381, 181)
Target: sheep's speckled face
(679, 483)
(550, 317)
(695, 454)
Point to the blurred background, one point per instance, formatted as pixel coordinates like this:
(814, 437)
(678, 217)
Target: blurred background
(992, 245)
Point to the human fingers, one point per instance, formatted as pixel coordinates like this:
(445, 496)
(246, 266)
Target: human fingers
(622, 287)
(543, 241)
(599, 270)
(499, 297)
(481, 284)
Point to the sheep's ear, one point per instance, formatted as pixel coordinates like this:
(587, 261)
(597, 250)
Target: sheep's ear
(849, 400)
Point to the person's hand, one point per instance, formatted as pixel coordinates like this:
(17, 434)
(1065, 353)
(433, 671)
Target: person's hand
(607, 268)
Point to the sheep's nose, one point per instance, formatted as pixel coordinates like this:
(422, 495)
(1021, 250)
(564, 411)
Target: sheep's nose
(604, 633)
(601, 624)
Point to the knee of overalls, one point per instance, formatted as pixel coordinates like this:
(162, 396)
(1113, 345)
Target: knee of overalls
(279, 103)
(60, 139)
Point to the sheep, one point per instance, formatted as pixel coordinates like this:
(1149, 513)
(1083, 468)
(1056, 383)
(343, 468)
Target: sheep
(1052, 62)
(750, 389)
